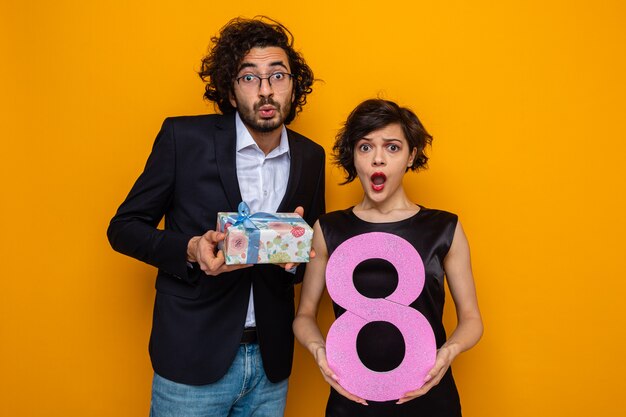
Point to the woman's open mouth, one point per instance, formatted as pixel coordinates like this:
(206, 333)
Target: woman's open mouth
(378, 181)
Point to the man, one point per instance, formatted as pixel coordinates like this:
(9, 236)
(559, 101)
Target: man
(221, 342)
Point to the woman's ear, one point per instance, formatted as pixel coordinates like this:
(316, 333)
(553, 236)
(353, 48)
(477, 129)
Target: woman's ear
(409, 164)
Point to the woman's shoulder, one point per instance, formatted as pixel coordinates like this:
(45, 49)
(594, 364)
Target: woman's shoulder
(436, 212)
(438, 215)
(442, 224)
(336, 215)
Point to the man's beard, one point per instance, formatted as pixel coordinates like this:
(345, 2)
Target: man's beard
(264, 125)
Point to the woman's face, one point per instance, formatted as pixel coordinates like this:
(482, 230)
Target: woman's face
(381, 159)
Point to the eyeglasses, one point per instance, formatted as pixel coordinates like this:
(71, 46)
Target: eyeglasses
(277, 80)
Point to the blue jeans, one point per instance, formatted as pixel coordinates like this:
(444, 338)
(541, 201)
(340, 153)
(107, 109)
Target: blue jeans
(244, 391)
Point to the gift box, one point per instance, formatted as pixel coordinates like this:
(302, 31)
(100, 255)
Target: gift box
(264, 238)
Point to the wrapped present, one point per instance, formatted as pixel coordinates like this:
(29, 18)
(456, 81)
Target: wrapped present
(264, 238)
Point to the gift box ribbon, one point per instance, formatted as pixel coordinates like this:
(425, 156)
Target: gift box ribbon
(246, 219)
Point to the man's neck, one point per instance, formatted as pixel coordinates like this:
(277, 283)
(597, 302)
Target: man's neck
(266, 141)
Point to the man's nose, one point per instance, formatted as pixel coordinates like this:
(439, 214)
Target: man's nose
(265, 88)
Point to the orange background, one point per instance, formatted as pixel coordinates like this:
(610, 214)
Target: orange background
(526, 104)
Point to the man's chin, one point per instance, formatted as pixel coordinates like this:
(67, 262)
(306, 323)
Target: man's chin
(266, 126)
(254, 121)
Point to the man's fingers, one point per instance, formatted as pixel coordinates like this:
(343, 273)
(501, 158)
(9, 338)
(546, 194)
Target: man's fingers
(213, 236)
(217, 261)
(291, 265)
(225, 268)
(228, 268)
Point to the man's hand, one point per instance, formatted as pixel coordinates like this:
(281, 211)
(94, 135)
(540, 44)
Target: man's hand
(203, 250)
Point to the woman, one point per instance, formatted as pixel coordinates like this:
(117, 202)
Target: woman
(379, 143)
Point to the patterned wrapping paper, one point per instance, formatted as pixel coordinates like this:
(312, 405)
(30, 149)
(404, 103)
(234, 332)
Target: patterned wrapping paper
(264, 238)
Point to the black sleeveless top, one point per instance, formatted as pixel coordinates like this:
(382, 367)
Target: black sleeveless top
(380, 345)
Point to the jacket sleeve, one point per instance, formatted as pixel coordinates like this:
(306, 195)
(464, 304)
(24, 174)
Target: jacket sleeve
(134, 231)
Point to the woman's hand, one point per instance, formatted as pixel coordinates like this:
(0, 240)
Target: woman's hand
(445, 356)
(469, 329)
(319, 353)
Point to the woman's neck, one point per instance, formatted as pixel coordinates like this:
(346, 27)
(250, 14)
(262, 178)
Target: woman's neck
(389, 210)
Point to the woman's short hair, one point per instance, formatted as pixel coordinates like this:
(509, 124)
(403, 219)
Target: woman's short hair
(221, 65)
(372, 115)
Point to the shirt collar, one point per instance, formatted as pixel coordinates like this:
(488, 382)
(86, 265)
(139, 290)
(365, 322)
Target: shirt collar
(245, 139)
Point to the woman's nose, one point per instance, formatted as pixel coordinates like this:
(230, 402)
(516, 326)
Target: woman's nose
(378, 159)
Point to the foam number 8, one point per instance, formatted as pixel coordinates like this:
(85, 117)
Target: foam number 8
(419, 339)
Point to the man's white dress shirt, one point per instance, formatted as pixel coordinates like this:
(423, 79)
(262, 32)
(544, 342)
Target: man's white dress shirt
(262, 179)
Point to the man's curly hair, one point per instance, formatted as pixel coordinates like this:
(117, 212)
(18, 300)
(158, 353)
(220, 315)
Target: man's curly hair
(221, 65)
(372, 115)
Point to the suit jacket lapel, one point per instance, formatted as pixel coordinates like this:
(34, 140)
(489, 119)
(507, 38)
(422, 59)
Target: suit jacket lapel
(225, 151)
(295, 171)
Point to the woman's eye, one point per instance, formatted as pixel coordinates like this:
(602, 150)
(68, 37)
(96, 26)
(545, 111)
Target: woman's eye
(393, 148)
(364, 147)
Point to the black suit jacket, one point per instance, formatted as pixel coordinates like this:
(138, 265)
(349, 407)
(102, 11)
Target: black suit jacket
(198, 319)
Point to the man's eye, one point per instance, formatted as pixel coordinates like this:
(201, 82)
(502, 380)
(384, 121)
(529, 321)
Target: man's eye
(248, 78)
(278, 76)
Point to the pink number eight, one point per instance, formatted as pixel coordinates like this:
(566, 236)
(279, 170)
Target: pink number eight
(419, 339)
